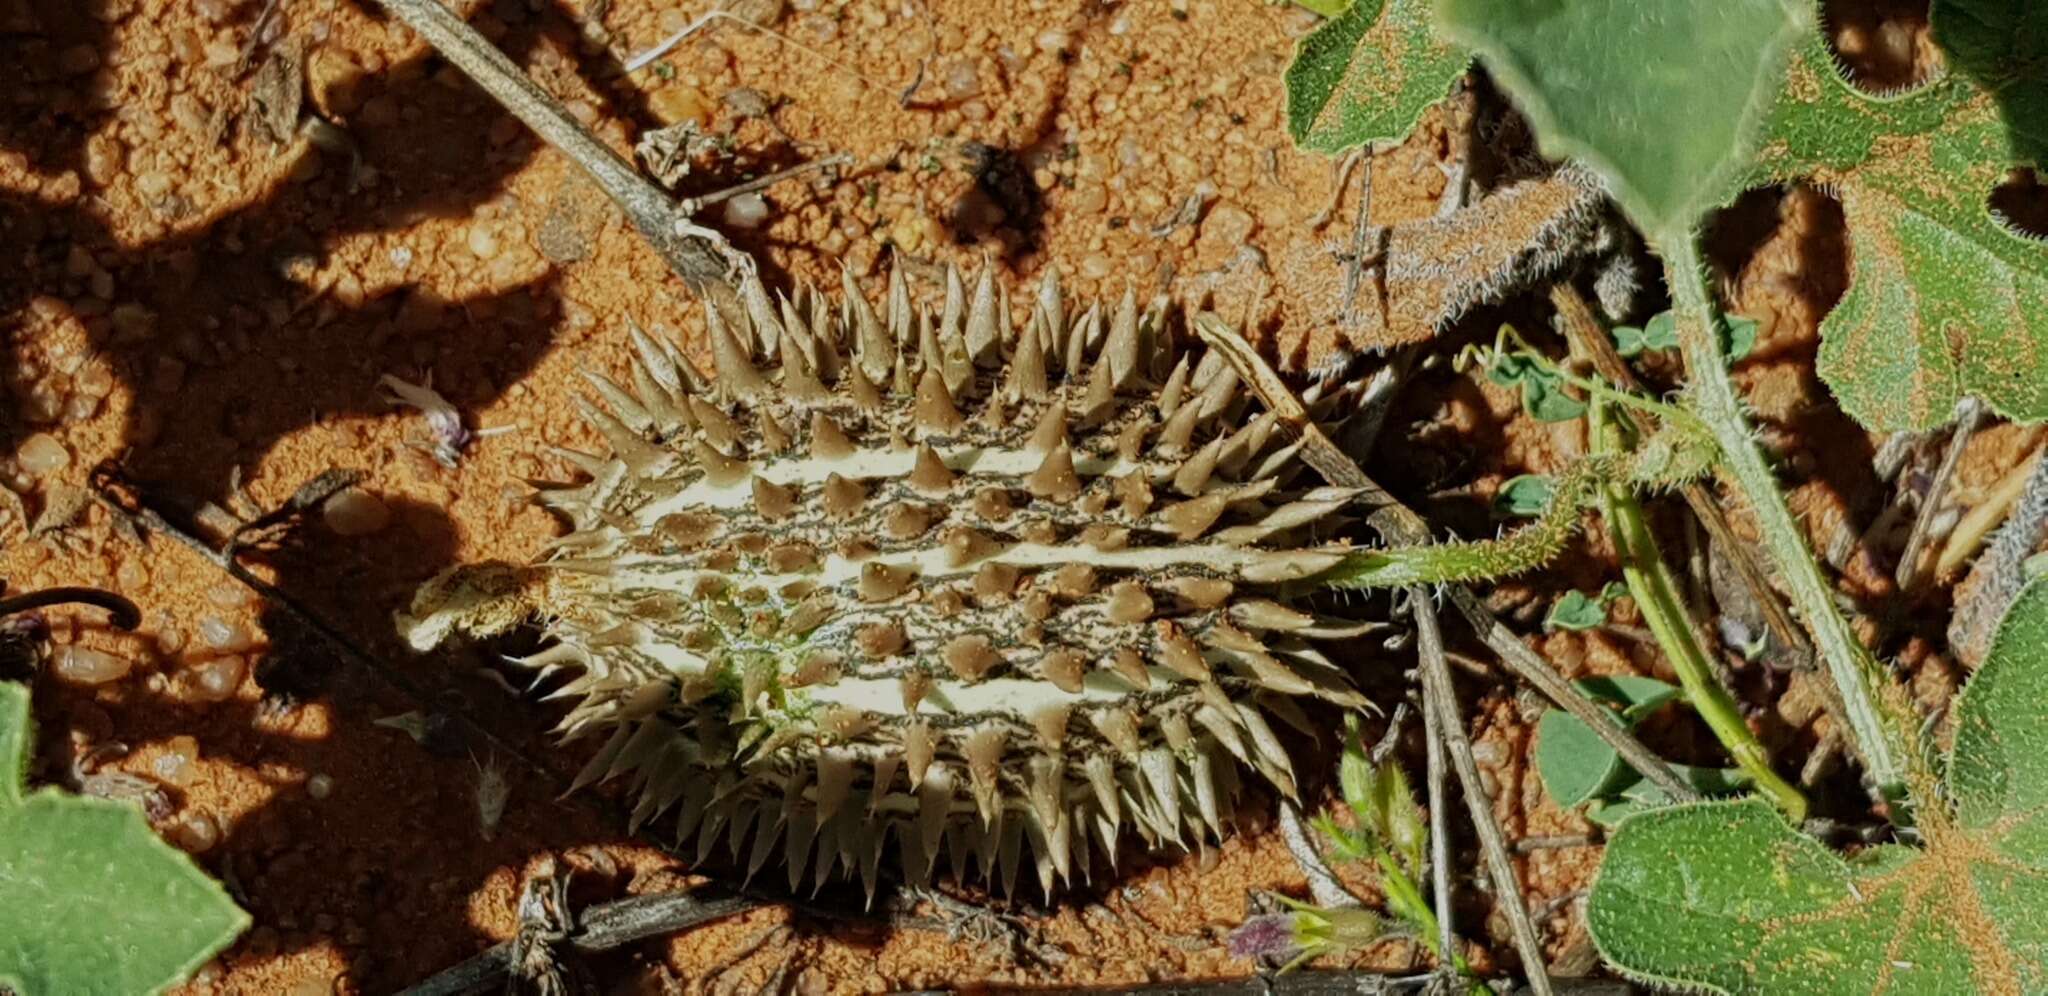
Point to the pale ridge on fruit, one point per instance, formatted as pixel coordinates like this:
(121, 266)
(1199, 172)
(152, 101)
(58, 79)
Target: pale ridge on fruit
(920, 582)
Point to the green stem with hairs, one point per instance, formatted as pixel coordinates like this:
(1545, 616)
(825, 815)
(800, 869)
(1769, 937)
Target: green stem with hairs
(1856, 673)
(1405, 900)
(1655, 590)
(1523, 550)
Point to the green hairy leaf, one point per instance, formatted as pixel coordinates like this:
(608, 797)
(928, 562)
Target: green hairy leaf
(1367, 75)
(1944, 297)
(90, 900)
(1741, 337)
(1660, 332)
(1663, 97)
(1727, 897)
(1575, 611)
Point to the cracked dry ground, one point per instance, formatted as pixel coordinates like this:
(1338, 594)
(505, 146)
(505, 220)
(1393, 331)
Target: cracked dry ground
(204, 287)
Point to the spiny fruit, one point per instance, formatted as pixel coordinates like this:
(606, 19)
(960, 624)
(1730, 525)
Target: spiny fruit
(927, 583)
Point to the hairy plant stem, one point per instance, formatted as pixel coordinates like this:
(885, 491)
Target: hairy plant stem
(1856, 673)
(1655, 589)
(1404, 900)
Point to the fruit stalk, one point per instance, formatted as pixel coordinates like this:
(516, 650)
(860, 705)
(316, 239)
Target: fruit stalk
(1655, 590)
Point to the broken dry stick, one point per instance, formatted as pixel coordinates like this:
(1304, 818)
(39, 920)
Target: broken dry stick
(697, 254)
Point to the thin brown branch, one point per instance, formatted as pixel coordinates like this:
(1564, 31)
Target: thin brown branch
(1911, 571)
(692, 205)
(1323, 886)
(1439, 802)
(1555, 841)
(1440, 701)
(121, 613)
(599, 928)
(697, 254)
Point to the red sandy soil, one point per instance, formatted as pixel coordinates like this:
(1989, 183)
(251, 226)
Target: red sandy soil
(199, 302)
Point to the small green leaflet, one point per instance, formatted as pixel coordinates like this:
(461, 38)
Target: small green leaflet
(1661, 332)
(1944, 298)
(1662, 97)
(1367, 75)
(91, 901)
(1579, 611)
(1726, 897)
(1575, 764)
(1738, 337)
(1543, 394)
(1522, 496)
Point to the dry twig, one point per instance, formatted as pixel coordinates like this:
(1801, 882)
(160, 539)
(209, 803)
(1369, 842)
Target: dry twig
(1323, 886)
(697, 254)
(1431, 644)
(1910, 571)
(599, 928)
(1440, 696)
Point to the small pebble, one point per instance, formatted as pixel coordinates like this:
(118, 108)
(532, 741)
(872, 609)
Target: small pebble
(746, 211)
(86, 666)
(320, 786)
(219, 634)
(355, 512)
(215, 680)
(196, 834)
(154, 183)
(482, 241)
(42, 454)
(961, 79)
(229, 595)
(81, 408)
(174, 765)
(676, 103)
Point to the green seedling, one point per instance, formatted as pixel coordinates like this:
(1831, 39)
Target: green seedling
(1579, 611)
(1389, 836)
